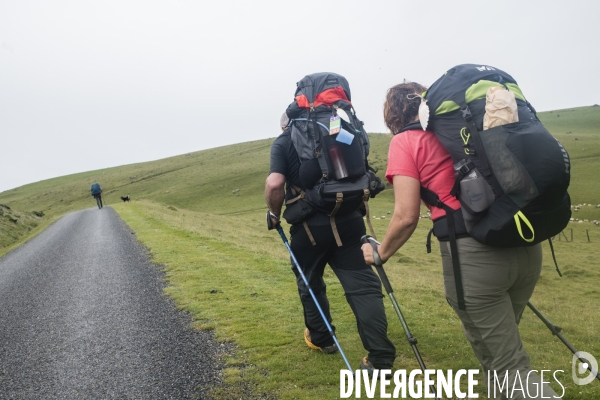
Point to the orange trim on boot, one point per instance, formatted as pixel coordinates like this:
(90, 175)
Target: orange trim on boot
(327, 350)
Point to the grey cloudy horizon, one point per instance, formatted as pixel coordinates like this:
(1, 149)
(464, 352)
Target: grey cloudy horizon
(90, 85)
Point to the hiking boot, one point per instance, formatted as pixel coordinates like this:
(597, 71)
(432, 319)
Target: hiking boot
(366, 365)
(327, 349)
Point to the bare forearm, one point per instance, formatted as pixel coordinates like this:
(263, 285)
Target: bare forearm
(406, 215)
(274, 192)
(399, 231)
(274, 200)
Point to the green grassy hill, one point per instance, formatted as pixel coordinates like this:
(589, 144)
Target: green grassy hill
(205, 180)
(15, 224)
(202, 215)
(578, 129)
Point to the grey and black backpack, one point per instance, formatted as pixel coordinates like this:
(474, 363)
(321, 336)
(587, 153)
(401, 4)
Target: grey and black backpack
(332, 147)
(511, 180)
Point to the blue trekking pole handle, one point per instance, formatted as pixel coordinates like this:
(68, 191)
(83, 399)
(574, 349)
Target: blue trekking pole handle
(285, 241)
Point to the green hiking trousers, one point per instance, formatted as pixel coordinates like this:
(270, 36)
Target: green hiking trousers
(498, 283)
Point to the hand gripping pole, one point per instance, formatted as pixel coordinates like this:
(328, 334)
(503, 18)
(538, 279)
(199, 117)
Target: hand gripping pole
(388, 288)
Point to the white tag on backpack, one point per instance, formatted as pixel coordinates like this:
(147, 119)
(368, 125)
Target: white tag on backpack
(335, 124)
(343, 115)
(423, 113)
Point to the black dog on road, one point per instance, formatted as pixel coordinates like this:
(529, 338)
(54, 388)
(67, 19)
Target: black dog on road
(126, 198)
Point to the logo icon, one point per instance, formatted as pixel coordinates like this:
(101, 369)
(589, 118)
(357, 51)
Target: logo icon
(580, 367)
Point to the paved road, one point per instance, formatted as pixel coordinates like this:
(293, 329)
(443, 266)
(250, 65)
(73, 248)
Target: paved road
(82, 316)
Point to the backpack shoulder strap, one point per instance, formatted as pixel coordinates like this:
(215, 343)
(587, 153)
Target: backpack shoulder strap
(297, 193)
(319, 145)
(431, 198)
(415, 125)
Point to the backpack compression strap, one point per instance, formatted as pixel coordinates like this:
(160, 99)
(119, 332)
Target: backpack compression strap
(316, 140)
(296, 191)
(300, 196)
(318, 146)
(554, 257)
(339, 198)
(479, 150)
(366, 196)
(309, 234)
(433, 199)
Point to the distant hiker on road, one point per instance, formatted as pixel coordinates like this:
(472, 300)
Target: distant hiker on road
(321, 236)
(498, 282)
(97, 193)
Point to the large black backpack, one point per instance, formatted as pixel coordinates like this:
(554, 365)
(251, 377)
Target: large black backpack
(334, 170)
(511, 180)
(525, 171)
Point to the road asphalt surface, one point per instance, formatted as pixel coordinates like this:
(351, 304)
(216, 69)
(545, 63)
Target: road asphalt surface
(83, 316)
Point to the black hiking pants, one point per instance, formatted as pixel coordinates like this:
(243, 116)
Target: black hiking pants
(361, 285)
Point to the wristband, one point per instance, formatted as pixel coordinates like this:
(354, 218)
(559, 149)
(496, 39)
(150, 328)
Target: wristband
(275, 217)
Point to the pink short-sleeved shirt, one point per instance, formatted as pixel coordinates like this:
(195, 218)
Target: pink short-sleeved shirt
(420, 155)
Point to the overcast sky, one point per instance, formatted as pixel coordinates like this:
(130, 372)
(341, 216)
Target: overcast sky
(93, 84)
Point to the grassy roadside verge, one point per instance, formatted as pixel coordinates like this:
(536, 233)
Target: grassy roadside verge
(234, 277)
(28, 234)
(235, 284)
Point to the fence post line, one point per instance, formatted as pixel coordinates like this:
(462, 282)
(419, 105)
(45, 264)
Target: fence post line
(571, 234)
(588, 235)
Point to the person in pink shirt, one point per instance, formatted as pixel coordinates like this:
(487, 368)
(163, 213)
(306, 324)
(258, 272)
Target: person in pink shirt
(497, 282)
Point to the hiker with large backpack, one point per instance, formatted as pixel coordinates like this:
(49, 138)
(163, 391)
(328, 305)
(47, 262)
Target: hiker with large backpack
(495, 181)
(319, 169)
(97, 193)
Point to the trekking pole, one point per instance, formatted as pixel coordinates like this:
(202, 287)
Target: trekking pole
(285, 241)
(556, 332)
(388, 288)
